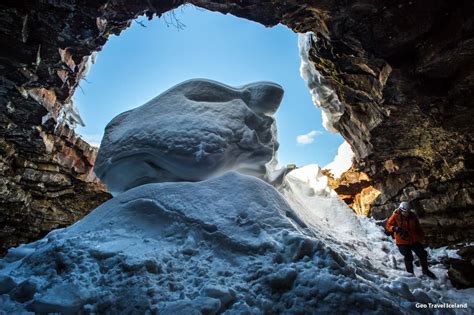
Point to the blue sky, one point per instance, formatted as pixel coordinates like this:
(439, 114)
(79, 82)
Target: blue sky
(143, 62)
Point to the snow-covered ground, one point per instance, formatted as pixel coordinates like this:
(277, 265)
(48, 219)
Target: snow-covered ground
(232, 245)
(364, 244)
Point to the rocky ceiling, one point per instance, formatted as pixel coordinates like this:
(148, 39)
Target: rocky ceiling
(402, 69)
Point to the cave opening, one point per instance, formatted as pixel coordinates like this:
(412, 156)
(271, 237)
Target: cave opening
(387, 65)
(150, 56)
(46, 50)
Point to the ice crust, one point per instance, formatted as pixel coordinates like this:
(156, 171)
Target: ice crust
(323, 95)
(193, 131)
(228, 245)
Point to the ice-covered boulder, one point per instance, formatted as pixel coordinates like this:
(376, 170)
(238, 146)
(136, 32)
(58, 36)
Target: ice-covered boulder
(193, 131)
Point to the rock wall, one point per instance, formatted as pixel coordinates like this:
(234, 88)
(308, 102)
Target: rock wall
(403, 71)
(49, 187)
(405, 75)
(46, 177)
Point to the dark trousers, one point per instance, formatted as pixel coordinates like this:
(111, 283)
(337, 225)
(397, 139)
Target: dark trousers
(419, 250)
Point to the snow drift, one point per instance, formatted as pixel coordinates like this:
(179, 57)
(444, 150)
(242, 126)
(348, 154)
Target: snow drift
(195, 130)
(229, 245)
(342, 161)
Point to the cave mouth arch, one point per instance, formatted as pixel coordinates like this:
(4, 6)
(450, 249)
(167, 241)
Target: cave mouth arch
(150, 57)
(397, 128)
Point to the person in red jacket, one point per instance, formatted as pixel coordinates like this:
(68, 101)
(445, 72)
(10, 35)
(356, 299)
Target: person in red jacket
(408, 236)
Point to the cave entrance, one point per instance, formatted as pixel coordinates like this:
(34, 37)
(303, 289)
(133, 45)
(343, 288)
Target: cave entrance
(153, 55)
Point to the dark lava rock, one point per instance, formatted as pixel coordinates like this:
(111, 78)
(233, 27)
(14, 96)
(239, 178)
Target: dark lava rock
(461, 273)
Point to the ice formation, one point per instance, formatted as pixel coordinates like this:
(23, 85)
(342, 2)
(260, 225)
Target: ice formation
(322, 94)
(195, 130)
(69, 115)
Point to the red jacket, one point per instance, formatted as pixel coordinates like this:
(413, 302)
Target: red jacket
(409, 223)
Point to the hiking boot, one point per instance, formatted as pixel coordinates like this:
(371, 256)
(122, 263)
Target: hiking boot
(409, 266)
(429, 274)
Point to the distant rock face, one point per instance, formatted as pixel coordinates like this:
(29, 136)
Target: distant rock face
(356, 189)
(195, 130)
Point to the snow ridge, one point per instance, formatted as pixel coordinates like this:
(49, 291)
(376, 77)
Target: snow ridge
(342, 161)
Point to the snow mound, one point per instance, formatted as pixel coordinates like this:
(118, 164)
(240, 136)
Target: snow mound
(342, 161)
(227, 245)
(193, 131)
(308, 193)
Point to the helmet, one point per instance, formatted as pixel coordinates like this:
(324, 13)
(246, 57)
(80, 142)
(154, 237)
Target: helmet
(404, 206)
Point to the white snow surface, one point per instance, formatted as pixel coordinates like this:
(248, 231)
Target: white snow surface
(342, 161)
(229, 245)
(323, 95)
(193, 131)
(307, 191)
